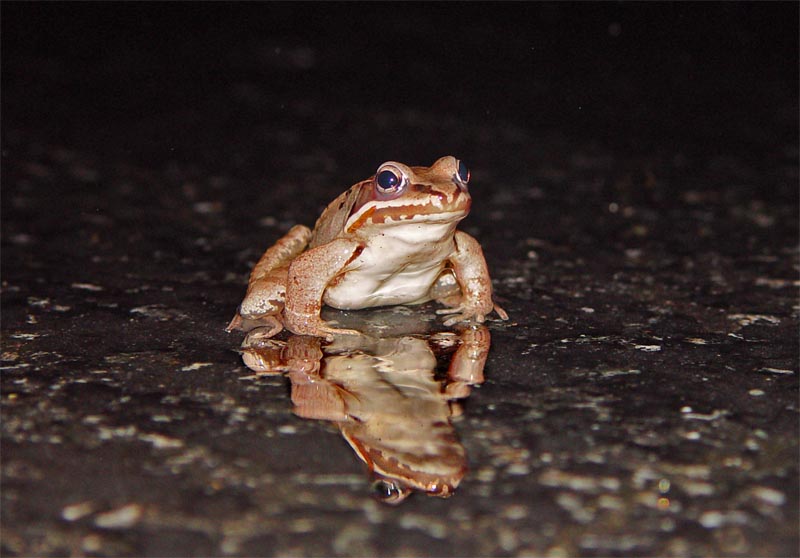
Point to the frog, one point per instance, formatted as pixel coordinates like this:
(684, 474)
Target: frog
(390, 239)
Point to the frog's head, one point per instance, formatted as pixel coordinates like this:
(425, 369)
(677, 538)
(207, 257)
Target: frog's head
(404, 459)
(399, 194)
(393, 488)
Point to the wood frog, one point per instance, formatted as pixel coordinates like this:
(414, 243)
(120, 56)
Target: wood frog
(390, 239)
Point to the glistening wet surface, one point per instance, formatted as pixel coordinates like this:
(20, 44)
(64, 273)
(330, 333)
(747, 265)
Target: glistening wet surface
(634, 183)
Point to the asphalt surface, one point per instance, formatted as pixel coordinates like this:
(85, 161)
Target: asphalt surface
(635, 190)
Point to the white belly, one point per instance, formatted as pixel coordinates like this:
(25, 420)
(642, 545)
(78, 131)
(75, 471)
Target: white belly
(397, 266)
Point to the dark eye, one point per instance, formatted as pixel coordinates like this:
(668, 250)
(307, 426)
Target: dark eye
(387, 180)
(390, 181)
(385, 491)
(463, 172)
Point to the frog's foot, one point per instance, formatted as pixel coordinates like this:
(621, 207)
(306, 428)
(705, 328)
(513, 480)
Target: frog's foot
(312, 324)
(270, 322)
(462, 314)
(467, 312)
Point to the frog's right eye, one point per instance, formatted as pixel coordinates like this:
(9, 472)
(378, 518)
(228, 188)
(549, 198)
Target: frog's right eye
(390, 180)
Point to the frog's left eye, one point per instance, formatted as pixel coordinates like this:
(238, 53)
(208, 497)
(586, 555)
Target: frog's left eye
(463, 173)
(390, 180)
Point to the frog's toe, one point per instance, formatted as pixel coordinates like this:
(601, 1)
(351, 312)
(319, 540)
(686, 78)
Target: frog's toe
(465, 316)
(500, 312)
(236, 323)
(450, 310)
(271, 323)
(330, 332)
(312, 324)
(466, 313)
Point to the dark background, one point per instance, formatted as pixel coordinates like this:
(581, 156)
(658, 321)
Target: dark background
(635, 185)
(608, 71)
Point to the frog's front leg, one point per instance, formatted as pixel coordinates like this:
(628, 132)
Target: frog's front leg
(472, 275)
(309, 276)
(266, 289)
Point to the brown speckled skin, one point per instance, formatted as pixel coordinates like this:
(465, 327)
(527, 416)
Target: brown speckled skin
(288, 285)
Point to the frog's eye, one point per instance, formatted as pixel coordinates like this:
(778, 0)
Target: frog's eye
(388, 492)
(390, 180)
(463, 173)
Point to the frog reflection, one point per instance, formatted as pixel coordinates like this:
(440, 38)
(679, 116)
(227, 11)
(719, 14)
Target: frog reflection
(386, 397)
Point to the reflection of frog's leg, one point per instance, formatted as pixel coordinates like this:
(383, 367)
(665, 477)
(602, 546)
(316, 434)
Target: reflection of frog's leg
(317, 399)
(261, 354)
(266, 290)
(313, 396)
(309, 276)
(466, 366)
(469, 266)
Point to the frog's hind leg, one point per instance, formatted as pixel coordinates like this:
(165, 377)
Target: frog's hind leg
(447, 291)
(266, 289)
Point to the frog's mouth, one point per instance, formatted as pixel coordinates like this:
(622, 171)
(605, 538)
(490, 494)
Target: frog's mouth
(403, 212)
(403, 476)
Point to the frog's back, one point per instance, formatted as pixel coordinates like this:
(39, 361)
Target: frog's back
(331, 223)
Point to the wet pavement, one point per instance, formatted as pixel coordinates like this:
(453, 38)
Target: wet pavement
(635, 190)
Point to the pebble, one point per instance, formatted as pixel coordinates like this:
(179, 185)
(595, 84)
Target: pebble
(769, 495)
(749, 319)
(120, 518)
(87, 287)
(696, 341)
(776, 371)
(195, 366)
(74, 512)
(515, 511)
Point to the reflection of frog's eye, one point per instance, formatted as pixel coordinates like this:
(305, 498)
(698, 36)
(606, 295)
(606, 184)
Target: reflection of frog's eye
(387, 491)
(463, 173)
(389, 180)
